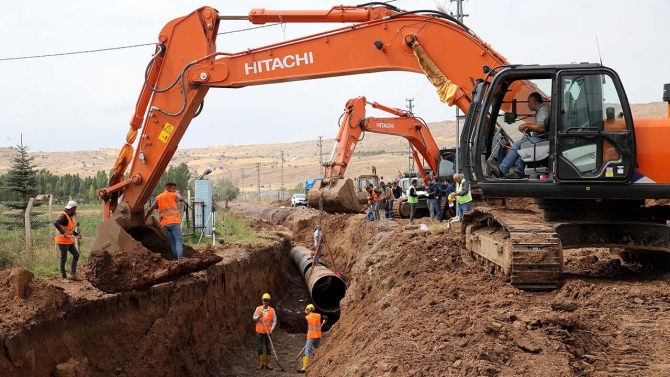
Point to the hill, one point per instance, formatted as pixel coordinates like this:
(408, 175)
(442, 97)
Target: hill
(301, 159)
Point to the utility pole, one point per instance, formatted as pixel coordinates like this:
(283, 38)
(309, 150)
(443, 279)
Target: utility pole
(242, 174)
(410, 161)
(258, 180)
(459, 16)
(320, 156)
(282, 176)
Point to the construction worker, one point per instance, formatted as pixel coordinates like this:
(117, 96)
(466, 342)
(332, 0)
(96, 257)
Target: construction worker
(463, 196)
(266, 320)
(166, 203)
(65, 239)
(412, 199)
(317, 235)
(313, 334)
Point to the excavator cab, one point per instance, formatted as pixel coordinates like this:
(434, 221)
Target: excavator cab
(588, 143)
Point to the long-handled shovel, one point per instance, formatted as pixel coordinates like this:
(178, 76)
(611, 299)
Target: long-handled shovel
(272, 345)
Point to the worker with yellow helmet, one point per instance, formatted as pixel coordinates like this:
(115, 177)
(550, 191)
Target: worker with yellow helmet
(313, 334)
(266, 320)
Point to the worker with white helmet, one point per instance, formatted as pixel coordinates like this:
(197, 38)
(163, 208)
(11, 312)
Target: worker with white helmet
(266, 320)
(65, 239)
(314, 334)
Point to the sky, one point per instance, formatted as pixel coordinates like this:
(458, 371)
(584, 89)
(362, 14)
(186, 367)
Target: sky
(85, 101)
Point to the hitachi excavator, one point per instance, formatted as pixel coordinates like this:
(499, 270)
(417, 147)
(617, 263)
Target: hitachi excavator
(338, 194)
(590, 174)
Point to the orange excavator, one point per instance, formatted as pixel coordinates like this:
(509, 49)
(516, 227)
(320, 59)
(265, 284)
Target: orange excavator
(590, 171)
(337, 194)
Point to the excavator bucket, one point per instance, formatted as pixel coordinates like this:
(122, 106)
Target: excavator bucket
(125, 258)
(339, 196)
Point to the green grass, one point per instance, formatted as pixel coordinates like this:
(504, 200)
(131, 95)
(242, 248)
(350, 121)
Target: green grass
(233, 228)
(45, 257)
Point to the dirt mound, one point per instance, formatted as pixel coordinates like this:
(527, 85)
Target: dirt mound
(279, 203)
(139, 268)
(417, 305)
(40, 300)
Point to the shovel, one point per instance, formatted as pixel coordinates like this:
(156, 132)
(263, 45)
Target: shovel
(272, 345)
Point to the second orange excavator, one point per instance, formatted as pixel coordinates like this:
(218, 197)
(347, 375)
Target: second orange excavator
(338, 194)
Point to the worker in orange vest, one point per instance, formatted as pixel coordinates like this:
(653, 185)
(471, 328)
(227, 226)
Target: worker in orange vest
(166, 203)
(313, 334)
(65, 239)
(266, 320)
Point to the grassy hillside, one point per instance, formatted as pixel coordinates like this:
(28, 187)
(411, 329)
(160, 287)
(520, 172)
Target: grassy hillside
(301, 159)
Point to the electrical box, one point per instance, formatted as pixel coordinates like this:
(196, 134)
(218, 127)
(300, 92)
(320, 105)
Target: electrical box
(203, 209)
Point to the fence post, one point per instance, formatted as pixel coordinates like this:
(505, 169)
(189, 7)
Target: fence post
(28, 229)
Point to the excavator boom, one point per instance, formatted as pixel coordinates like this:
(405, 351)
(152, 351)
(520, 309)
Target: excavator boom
(338, 194)
(186, 64)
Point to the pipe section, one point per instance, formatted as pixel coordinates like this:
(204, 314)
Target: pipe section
(325, 288)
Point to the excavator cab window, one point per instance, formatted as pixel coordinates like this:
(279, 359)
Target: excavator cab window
(507, 111)
(591, 143)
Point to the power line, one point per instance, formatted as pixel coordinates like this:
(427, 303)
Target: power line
(117, 48)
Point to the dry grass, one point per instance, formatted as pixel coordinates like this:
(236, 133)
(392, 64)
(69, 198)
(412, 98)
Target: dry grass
(301, 158)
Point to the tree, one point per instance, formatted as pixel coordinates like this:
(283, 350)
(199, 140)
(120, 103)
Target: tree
(21, 178)
(226, 190)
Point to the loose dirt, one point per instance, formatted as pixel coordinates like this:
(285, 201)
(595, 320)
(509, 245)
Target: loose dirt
(140, 269)
(416, 305)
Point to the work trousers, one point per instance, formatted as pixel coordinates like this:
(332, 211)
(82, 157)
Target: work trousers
(311, 345)
(174, 235)
(261, 339)
(389, 209)
(462, 208)
(63, 258)
(431, 207)
(412, 210)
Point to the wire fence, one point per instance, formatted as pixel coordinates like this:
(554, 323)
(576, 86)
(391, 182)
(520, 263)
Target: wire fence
(28, 237)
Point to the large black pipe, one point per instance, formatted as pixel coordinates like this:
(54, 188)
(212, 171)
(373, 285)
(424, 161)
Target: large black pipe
(325, 287)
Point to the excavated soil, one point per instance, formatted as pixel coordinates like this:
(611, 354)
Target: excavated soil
(140, 269)
(416, 305)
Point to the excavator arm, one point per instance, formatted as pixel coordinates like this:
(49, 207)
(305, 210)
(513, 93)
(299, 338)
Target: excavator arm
(186, 64)
(339, 195)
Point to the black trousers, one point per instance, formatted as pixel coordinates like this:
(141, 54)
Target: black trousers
(261, 339)
(63, 258)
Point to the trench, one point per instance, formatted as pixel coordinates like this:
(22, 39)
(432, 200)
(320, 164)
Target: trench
(199, 325)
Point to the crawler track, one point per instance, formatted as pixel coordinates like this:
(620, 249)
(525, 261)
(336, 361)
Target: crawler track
(520, 243)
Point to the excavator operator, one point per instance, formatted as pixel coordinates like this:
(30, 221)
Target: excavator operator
(512, 166)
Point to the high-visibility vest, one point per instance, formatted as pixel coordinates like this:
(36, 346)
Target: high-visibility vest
(464, 198)
(167, 208)
(267, 319)
(68, 230)
(412, 199)
(313, 326)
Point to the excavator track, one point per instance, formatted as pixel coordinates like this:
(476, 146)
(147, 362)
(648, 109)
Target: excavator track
(398, 209)
(519, 243)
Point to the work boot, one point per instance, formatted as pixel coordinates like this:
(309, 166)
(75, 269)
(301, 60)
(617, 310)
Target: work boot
(494, 169)
(305, 364)
(268, 358)
(262, 364)
(73, 276)
(513, 175)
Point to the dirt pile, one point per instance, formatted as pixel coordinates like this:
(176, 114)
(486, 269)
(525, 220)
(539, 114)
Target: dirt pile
(417, 306)
(40, 300)
(192, 326)
(139, 268)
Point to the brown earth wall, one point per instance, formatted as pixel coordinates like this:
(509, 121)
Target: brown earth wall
(182, 328)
